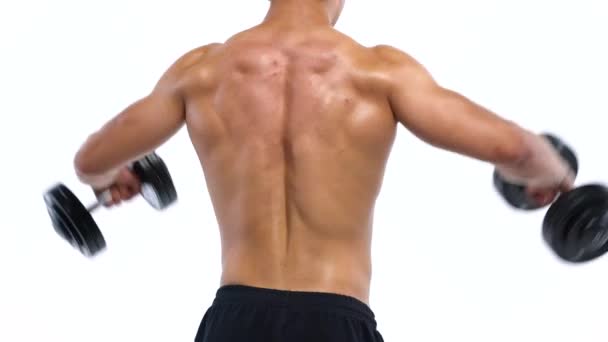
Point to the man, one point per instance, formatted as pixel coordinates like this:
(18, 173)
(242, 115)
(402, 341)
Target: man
(293, 123)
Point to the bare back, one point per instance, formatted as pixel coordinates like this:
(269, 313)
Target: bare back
(293, 132)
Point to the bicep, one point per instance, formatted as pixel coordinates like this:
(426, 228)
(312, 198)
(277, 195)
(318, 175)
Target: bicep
(448, 120)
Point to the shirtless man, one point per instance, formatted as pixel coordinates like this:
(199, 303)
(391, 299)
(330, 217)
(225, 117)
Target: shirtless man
(293, 123)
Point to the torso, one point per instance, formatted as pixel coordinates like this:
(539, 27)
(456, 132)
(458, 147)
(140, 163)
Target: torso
(293, 131)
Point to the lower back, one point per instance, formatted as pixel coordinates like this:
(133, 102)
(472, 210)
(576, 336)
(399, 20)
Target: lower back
(299, 263)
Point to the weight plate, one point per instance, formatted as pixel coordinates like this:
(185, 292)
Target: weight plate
(72, 221)
(575, 225)
(157, 185)
(515, 195)
(566, 152)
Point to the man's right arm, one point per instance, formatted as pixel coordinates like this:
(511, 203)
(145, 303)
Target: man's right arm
(448, 120)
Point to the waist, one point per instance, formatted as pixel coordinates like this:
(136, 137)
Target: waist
(349, 276)
(294, 300)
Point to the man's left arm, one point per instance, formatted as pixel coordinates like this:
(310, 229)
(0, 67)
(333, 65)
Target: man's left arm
(137, 130)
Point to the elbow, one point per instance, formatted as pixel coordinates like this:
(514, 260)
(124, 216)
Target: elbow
(86, 162)
(85, 165)
(89, 171)
(82, 165)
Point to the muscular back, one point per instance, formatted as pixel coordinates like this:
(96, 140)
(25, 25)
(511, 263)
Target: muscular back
(293, 130)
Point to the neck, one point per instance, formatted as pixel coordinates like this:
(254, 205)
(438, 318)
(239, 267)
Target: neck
(298, 12)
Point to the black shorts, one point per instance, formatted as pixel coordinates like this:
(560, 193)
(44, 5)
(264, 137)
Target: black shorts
(248, 314)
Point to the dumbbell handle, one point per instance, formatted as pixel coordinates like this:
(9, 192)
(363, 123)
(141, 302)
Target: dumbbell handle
(102, 199)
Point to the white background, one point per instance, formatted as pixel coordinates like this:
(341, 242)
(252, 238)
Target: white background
(452, 262)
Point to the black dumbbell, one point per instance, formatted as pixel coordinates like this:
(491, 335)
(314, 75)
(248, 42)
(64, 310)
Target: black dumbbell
(74, 222)
(576, 225)
(515, 194)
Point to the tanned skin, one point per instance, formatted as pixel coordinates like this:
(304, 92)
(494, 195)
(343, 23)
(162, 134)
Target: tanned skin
(293, 123)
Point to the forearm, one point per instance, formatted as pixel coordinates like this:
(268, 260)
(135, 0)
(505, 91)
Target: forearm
(105, 152)
(541, 166)
(521, 156)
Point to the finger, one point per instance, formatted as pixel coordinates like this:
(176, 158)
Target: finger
(536, 194)
(129, 179)
(127, 176)
(136, 190)
(543, 197)
(135, 187)
(131, 192)
(550, 197)
(547, 199)
(539, 198)
(568, 183)
(115, 195)
(125, 192)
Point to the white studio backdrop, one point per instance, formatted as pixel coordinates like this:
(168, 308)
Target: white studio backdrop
(451, 260)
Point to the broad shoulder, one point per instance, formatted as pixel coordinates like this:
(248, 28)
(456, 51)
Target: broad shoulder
(393, 58)
(397, 66)
(192, 58)
(180, 71)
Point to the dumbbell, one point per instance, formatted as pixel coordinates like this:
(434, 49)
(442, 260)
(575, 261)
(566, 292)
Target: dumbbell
(74, 222)
(576, 225)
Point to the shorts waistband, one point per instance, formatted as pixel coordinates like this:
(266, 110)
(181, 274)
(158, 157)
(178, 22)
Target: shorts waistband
(296, 300)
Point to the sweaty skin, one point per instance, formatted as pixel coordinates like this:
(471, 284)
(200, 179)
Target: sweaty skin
(293, 125)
